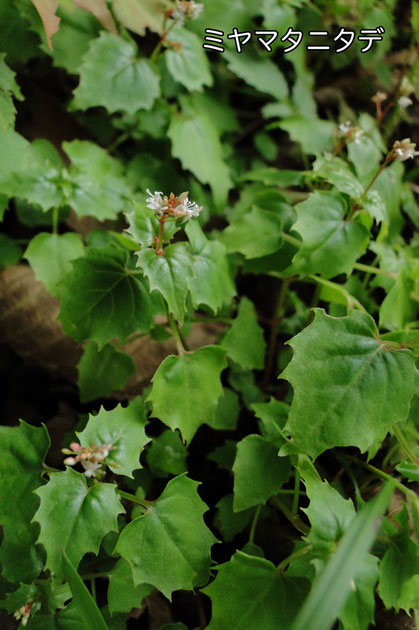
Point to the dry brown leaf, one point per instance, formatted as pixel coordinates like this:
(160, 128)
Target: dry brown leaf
(29, 325)
(137, 15)
(101, 12)
(47, 9)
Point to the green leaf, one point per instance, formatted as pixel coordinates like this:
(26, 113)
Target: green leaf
(244, 341)
(259, 72)
(195, 142)
(144, 227)
(96, 186)
(358, 611)
(102, 300)
(122, 594)
(138, 16)
(397, 308)
(21, 466)
(86, 605)
(257, 233)
(124, 428)
(167, 454)
(10, 251)
(8, 86)
(212, 282)
(314, 135)
(258, 472)
(193, 380)
(74, 517)
(262, 597)
(355, 389)
(112, 76)
(169, 274)
(331, 589)
(172, 534)
(399, 574)
(227, 412)
(102, 372)
(275, 177)
(23, 595)
(337, 172)
(50, 254)
(189, 65)
(227, 521)
(274, 415)
(331, 244)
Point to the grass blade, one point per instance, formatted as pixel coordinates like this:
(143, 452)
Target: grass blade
(86, 605)
(329, 592)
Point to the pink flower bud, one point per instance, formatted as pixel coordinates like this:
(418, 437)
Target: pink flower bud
(70, 461)
(75, 446)
(159, 252)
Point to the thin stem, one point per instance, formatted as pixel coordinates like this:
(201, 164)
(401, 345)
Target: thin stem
(376, 270)
(406, 491)
(388, 159)
(131, 497)
(296, 494)
(296, 522)
(254, 523)
(176, 334)
(405, 446)
(282, 296)
(93, 576)
(416, 615)
(161, 234)
(162, 41)
(291, 239)
(297, 554)
(351, 301)
(119, 140)
(93, 587)
(55, 214)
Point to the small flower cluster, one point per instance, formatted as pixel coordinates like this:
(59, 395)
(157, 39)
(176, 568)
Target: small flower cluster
(346, 130)
(172, 206)
(403, 150)
(23, 613)
(91, 457)
(185, 10)
(406, 88)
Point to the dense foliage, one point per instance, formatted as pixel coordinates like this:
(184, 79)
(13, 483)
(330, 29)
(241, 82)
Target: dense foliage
(243, 486)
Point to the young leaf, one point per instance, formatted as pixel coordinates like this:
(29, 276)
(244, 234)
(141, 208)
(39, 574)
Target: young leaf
(315, 135)
(257, 233)
(193, 380)
(86, 605)
(122, 594)
(102, 372)
(195, 142)
(74, 517)
(262, 597)
(21, 466)
(102, 300)
(337, 172)
(258, 472)
(123, 427)
(112, 76)
(355, 389)
(172, 534)
(331, 589)
(273, 416)
(331, 245)
(169, 274)
(189, 64)
(244, 341)
(50, 254)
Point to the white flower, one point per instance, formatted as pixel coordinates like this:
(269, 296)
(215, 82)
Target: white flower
(345, 127)
(406, 87)
(404, 150)
(90, 468)
(70, 461)
(186, 9)
(187, 209)
(358, 133)
(379, 97)
(156, 202)
(404, 101)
